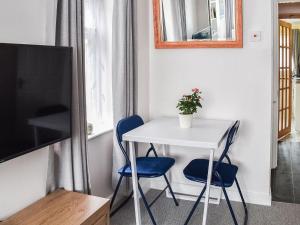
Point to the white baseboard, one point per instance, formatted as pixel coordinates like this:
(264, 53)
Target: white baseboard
(145, 185)
(190, 192)
(251, 197)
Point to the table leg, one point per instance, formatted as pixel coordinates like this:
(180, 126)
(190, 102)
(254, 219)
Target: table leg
(209, 176)
(135, 184)
(165, 151)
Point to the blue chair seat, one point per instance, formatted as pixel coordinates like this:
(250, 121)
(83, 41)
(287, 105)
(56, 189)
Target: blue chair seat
(197, 170)
(149, 167)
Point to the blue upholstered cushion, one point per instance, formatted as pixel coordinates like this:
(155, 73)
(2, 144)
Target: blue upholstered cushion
(149, 166)
(197, 169)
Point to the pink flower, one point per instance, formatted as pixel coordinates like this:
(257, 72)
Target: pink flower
(195, 90)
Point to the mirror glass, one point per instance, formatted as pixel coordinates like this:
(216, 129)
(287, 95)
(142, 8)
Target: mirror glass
(197, 20)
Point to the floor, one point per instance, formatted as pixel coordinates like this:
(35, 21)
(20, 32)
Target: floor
(286, 177)
(166, 213)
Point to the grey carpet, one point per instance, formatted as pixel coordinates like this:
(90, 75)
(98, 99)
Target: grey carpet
(166, 213)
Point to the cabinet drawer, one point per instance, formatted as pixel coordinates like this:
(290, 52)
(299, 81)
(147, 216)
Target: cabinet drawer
(102, 221)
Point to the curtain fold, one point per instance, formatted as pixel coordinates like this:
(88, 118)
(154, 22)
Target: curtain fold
(124, 73)
(182, 11)
(229, 15)
(163, 22)
(68, 163)
(174, 12)
(296, 52)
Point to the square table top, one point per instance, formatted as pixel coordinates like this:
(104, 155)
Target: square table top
(204, 133)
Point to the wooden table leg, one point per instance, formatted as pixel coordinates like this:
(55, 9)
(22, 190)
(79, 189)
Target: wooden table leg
(209, 176)
(135, 184)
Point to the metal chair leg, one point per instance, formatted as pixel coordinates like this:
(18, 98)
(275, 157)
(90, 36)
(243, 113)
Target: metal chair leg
(195, 206)
(146, 205)
(243, 201)
(171, 191)
(229, 205)
(122, 204)
(116, 191)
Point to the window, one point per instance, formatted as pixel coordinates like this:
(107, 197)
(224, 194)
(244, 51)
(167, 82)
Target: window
(98, 65)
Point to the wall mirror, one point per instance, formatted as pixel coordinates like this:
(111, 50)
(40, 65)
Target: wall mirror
(198, 23)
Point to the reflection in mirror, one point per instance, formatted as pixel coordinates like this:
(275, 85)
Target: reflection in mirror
(197, 20)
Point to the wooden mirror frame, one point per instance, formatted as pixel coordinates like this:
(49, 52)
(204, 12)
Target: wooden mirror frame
(238, 43)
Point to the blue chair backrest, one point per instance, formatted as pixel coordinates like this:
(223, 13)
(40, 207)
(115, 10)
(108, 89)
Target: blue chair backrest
(230, 140)
(125, 125)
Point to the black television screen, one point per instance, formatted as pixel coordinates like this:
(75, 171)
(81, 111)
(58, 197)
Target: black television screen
(35, 97)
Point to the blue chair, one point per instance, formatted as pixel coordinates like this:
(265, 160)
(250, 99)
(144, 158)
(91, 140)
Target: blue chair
(224, 174)
(147, 167)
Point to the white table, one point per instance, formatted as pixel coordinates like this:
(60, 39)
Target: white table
(56, 121)
(205, 134)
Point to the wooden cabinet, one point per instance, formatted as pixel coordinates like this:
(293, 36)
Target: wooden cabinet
(64, 208)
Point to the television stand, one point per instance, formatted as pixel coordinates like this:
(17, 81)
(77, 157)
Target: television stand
(63, 208)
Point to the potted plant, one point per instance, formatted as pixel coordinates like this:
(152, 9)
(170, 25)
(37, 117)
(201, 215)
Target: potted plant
(187, 106)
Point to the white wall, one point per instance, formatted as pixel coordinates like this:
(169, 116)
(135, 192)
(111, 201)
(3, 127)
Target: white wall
(236, 84)
(23, 21)
(22, 179)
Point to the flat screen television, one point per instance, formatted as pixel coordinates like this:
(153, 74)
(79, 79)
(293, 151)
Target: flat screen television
(35, 97)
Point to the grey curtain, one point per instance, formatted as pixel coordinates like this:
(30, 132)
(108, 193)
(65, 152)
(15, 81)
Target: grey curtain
(229, 15)
(68, 164)
(296, 52)
(182, 10)
(163, 22)
(123, 71)
(174, 12)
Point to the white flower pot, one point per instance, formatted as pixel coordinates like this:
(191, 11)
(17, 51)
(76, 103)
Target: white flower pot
(185, 121)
